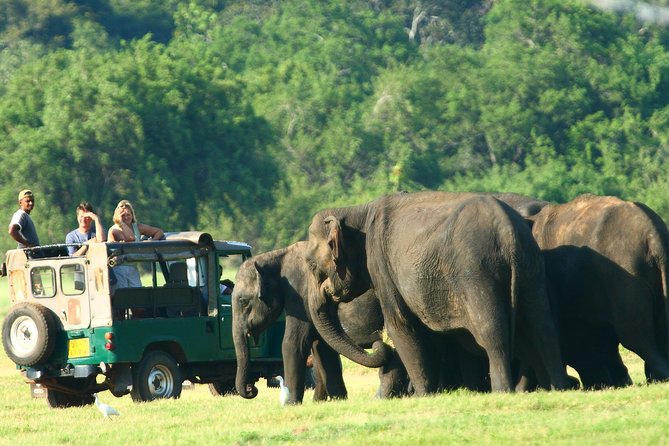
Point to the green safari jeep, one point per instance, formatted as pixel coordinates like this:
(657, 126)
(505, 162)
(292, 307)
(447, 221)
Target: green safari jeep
(74, 332)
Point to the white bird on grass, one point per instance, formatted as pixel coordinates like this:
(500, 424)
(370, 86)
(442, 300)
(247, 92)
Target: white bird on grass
(284, 394)
(105, 409)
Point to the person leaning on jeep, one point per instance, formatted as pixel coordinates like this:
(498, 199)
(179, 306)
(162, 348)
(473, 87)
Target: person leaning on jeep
(21, 227)
(127, 229)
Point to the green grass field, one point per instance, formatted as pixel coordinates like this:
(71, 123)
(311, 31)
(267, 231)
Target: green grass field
(635, 415)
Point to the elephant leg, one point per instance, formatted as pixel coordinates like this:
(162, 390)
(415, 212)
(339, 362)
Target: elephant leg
(651, 376)
(593, 352)
(470, 361)
(539, 331)
(475, 371)
(635, 326)
(295, 350)
(451, 373)
(580, 350)
(529, 371)
(320, 392)
(526, 380)
(598, 376)
(414, 353)
(393, 379)
(655, 365)
(330, 370)
(310, 374)
(592, 377)
(618, 375)
(494, 338)
(500, 368)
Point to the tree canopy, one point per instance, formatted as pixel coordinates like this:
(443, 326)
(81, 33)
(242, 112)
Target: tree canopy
(243, 118)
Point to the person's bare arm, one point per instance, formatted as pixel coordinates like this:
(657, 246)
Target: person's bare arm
(99, 234)
(150, 231)
(115, 234)
(99, 228)
(15, 233)
(81, 251)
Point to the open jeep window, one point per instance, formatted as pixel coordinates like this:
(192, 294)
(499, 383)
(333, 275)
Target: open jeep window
(196, 270)
(72, 279)
(229, 265)
(43, 281)
(146, 273)
(186, 272)
(174, 287)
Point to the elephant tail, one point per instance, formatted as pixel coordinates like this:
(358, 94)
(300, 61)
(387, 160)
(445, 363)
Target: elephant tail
(515, 285)
(659, 255)
(665, 299)
(659, 251)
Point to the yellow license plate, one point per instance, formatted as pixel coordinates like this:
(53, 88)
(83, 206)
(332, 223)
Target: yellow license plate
(78, 348)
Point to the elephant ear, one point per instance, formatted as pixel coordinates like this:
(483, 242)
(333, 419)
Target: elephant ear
(258, 285)
(333, 229)
(265, 284)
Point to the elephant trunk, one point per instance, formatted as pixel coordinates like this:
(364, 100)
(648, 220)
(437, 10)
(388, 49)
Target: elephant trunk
(244, 389)
(332, 332)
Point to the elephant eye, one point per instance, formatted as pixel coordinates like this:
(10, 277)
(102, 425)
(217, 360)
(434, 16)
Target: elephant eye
(243, 301)
(311, 264)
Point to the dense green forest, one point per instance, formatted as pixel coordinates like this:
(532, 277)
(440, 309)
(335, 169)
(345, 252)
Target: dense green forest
(244, 117)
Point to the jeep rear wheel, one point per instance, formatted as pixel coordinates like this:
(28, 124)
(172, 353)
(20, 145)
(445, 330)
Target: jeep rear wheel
(223, 388)
(29, 334)
(156, 376)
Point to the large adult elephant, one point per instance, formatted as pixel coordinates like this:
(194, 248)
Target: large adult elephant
(593, 352)
(272, 282)
(438, 263)
(607, 260)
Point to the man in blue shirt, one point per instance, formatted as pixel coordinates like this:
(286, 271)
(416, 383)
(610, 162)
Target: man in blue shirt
(21, 227)
(90, 230)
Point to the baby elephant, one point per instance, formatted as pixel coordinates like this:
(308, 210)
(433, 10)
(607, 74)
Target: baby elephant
(277, 281)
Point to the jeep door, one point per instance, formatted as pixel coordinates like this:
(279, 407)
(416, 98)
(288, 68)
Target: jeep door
(62, 286)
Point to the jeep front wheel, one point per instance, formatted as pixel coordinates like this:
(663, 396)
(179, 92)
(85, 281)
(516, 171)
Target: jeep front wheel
(29, 334)
(156, 376)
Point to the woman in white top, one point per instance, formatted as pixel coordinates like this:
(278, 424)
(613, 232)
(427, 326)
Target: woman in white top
(126, 229)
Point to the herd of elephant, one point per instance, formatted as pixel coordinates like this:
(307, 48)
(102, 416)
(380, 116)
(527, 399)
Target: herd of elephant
(491, 292)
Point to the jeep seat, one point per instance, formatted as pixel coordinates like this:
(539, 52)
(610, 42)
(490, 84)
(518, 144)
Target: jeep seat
(178, 275)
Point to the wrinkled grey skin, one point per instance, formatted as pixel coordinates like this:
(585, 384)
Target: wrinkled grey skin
(525, 377)
(438, 263)
(592, 351)
(278, 280)
(607, 260)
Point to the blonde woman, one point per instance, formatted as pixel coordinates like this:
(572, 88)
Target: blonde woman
(126, 229)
